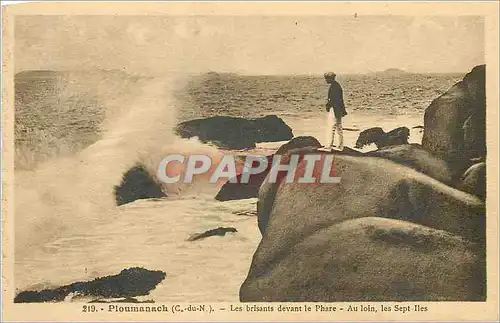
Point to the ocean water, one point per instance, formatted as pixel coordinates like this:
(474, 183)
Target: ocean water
(67, 225)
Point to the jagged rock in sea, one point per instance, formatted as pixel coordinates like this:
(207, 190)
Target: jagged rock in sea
(236, 133)
(137, 183)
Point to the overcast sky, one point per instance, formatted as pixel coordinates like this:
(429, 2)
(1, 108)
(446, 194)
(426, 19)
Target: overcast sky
(250, 45)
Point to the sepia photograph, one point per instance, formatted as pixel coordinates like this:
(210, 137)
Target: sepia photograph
(327, 161)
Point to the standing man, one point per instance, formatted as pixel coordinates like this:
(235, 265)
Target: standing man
(336, 101)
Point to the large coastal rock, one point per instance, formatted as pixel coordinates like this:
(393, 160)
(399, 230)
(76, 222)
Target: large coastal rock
(236, 133)
(368, 259)
(454, 123)
(338, 241)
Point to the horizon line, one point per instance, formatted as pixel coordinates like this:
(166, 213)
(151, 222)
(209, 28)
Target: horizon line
(240, 73)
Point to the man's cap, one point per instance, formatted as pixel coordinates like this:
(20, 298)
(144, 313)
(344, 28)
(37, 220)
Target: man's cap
(330, 75)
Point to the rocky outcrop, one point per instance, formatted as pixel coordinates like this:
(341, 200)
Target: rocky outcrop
(454, 123)
(336, 241)
(236, 133)
(128, 283)
(381, 139)
(355, 261)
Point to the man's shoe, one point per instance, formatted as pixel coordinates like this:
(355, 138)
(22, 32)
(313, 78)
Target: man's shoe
(325, 148)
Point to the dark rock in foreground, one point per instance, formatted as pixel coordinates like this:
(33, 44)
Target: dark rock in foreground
(128, 283)
(210, 233)
(137, 184)
(236, 133)
(455, 122)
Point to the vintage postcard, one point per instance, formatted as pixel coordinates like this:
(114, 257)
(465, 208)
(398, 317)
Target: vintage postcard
(250, 161)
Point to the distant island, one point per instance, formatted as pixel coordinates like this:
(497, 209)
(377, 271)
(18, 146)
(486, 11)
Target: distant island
(36, 73)
(395, 71)
(390, 72)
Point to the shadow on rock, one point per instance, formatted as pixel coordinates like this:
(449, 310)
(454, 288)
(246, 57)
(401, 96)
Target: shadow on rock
(128, 283)
(236, 133)
(238, 190)
(137, 183)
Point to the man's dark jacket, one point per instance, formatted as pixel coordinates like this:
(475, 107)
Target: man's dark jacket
(336, 100)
